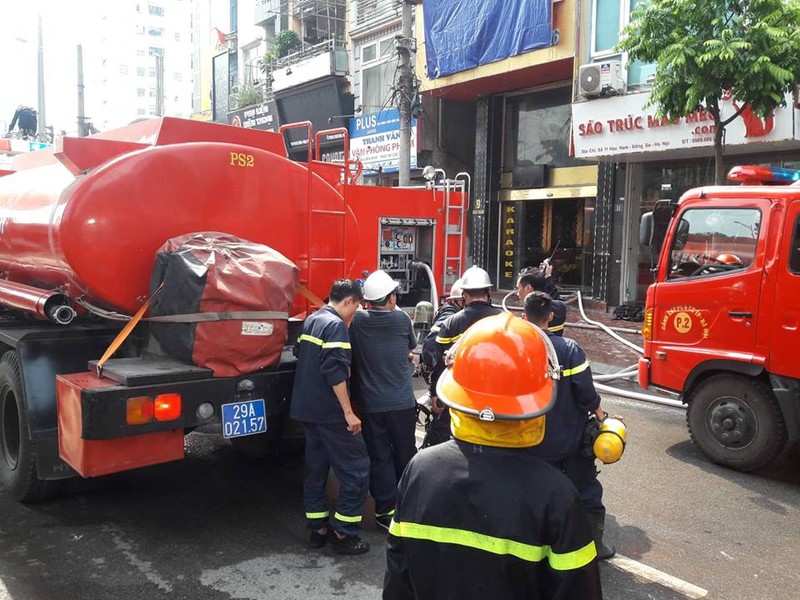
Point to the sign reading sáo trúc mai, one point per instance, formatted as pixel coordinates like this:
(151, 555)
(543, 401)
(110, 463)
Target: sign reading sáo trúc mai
(622, 126)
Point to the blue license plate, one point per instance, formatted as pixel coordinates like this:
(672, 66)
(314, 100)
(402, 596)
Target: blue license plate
(243, 418)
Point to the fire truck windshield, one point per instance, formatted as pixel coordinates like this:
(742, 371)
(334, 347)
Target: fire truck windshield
(713, 241)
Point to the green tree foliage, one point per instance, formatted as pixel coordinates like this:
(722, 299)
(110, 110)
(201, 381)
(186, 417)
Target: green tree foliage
(749, 49)
(286, 42)
(249, 94)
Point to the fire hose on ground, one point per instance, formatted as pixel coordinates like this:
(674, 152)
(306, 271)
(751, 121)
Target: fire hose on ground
(624, 373)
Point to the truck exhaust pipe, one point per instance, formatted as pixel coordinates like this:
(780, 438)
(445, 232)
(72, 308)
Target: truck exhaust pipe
(42, 304)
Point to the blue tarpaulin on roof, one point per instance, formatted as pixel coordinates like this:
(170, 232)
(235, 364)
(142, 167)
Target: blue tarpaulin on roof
(464, 34)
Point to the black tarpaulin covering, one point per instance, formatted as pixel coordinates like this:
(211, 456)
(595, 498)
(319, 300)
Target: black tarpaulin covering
(225, 301)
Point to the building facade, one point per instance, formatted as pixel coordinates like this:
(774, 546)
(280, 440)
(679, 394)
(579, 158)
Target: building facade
(643, 158)
(124, 77)
(509, 65)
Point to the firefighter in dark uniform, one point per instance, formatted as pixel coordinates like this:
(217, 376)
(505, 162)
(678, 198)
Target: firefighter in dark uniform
(476, 289)
(542, 280)
(321, 401)
(438, 430)
(566, 423)
(480, 516)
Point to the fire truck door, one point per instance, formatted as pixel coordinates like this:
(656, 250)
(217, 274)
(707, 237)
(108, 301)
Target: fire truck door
(706, 301)
(785, 336)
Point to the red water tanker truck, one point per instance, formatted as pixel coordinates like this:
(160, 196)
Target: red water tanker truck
(80, 227)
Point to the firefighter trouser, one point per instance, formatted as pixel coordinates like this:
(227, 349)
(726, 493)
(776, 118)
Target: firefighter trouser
(331, 446)
(581, 471)
(391, 443)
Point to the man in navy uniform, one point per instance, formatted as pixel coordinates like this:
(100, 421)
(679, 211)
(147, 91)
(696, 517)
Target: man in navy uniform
(321, 401)
(566, 423)
(480, 516)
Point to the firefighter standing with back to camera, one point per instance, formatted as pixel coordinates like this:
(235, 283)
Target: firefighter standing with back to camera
(480, 516)
(321, 401)
(439, 429)
(382, 338)
(476, 286)
(563, 445)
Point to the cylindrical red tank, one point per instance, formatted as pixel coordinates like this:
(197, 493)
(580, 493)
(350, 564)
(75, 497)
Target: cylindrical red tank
(96, 234)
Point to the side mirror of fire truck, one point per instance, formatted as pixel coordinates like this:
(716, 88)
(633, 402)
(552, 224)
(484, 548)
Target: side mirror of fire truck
(646, 229)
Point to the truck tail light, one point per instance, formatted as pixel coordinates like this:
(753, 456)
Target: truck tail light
(139, 410)
(647, 329)
(167, 407)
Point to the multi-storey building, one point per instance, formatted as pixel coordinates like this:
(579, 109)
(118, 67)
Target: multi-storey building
(644, 158)
(279, 61)
(497, 76)
(121, 67)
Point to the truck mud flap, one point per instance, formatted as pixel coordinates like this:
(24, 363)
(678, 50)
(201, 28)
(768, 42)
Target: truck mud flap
(92, 458)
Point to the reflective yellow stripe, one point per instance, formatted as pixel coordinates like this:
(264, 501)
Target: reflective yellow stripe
(388, 514)
(315, 340)
(575, 370)
(441, 340)
(555, 328)
(317, 515)
(344, 519)
(345, 345)
(444, 535)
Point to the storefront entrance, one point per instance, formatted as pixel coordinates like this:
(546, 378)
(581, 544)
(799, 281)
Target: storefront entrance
(533, 230)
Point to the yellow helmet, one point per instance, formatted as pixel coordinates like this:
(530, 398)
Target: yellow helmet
(610, 441)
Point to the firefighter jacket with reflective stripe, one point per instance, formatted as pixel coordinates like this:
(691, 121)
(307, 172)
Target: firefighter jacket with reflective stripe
(480, 522)
(429, 347)
(452, 329)
(576, 398)
(559, 318)
(323, 360)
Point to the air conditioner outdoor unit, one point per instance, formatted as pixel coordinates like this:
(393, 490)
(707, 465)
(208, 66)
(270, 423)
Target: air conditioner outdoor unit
(601, 79)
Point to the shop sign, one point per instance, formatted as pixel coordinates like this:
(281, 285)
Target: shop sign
(375, 140)
(623, 126)
(264, 117)
(508, 246)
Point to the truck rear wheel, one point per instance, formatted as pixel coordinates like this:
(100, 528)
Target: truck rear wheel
(736, 421)
(17, 450)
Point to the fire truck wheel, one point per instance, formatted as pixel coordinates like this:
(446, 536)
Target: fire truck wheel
(17, 451)
(736, 421)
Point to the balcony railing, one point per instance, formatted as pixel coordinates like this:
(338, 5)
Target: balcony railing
(309, 63)
(374, 11)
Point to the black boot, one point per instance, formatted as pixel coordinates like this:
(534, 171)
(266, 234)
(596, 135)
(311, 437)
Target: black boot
(598, 525)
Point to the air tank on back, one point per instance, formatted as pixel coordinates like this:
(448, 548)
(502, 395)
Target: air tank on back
(89, 219)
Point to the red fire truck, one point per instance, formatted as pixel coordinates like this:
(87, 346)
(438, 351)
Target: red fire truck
(722, 320)
(80, 226)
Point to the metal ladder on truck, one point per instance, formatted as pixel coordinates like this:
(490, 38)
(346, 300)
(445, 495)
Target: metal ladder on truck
(456, 203)
(326, 257)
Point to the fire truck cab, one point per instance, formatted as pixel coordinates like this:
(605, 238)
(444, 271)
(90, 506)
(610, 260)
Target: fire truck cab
(722, 318)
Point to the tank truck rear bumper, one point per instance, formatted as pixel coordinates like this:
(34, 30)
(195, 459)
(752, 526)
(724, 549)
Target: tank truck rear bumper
(108, 424)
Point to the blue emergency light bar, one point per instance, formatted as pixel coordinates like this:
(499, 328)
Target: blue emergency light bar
(756, 174)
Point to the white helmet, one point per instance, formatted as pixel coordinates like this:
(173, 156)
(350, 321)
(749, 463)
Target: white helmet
(455, 290)
(379, 285)
(475, 278)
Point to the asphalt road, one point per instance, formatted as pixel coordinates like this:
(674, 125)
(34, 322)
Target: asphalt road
(216, 527)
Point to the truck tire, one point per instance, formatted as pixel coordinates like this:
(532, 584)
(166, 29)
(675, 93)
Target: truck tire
(17, 450)
(736, 421)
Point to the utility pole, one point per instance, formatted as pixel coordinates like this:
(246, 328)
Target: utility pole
(40, 74)
(81, 116)
(405, 89)
(160, 85)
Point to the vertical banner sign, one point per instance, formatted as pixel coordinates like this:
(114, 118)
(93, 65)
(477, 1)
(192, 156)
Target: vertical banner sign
(508, 245)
